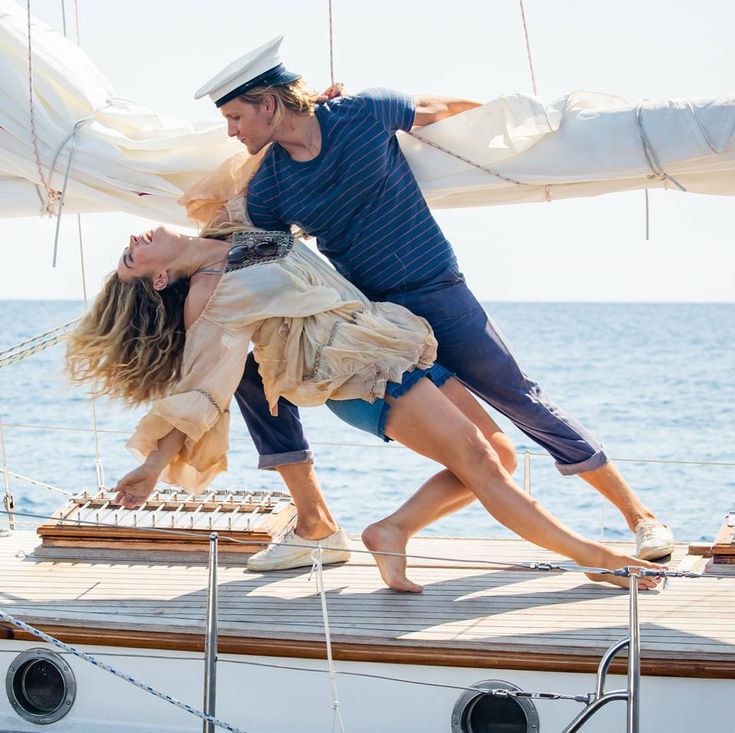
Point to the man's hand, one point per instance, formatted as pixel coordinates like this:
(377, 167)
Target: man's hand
(135, 487)
(336, 90)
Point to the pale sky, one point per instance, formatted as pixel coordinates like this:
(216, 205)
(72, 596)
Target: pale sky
(158, 52)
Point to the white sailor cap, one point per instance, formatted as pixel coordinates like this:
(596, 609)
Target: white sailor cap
(259, 68)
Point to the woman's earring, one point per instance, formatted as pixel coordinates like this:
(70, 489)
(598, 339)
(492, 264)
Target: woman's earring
(161, 281)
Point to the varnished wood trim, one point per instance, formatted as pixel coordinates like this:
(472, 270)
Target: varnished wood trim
(382, 653)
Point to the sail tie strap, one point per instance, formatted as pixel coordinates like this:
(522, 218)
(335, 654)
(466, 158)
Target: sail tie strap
(650, 153)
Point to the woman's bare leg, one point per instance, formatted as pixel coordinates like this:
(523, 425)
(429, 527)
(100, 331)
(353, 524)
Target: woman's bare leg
(441, 495)
(426, 421)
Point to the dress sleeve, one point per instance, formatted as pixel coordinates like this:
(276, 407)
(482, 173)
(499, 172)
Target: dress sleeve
(212, 367)
(213, 363)
(394, 110)
(222, 189)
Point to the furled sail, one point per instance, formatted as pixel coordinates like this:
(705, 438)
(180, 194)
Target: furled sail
(121, 156)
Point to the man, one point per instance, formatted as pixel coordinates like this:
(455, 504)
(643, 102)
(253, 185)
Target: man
(335, 169)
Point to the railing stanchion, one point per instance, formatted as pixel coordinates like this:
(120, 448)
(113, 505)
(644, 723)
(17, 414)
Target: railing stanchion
(8, 498)
(210, 644)
(634, 657)
(527, 472)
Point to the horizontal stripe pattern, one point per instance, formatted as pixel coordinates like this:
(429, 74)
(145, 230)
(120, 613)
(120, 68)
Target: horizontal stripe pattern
(358, 197)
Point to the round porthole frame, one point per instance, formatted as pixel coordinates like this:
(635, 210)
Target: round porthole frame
(14, 682)
(468, 699)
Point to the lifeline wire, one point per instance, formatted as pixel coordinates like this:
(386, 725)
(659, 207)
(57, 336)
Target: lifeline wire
(543, 566)
(345, 444)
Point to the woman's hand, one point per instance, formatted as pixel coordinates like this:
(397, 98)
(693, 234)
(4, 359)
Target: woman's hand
(135, 487)
(336, 90)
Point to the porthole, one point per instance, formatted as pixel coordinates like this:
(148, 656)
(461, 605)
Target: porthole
(40, 686)
(478, 712)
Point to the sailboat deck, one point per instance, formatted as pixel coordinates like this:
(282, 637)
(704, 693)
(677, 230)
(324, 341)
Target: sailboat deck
(468, 614)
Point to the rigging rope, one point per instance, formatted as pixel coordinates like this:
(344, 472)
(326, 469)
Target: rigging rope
(651, 157)
(528, 48)
(99, 470)
(483, 168)
(51, 332)
(51, 195)
(317, 557)
(331, 45)
(36, 344)
(543, 566)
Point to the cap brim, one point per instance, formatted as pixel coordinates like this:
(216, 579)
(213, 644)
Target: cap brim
(273, 80)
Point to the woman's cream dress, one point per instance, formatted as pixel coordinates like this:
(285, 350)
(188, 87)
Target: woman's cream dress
(315, 337)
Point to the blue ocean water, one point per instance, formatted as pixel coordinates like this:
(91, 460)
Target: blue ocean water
(654, 382)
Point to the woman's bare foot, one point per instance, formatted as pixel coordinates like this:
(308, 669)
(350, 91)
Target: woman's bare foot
(606, 558)
(383, 537)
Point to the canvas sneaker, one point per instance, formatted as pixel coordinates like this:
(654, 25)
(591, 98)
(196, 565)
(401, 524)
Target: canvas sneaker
(283, 555)
(653, 540)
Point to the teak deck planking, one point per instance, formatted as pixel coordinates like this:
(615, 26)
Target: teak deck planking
(469, 614)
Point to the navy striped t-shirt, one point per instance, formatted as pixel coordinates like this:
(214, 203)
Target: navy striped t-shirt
(358, 197)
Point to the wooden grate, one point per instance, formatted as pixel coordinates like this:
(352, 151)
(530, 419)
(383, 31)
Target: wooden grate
(171, 520)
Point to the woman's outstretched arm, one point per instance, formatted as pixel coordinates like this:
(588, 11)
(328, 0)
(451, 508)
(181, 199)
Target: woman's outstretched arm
(137, 485)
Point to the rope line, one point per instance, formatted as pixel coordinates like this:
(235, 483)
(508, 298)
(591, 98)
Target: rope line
(483, 168)
(650, 153)
(295, 668)
(36, 344)
(46, 206)
(76, 18)
(345, 444)
(34, 339)
(331, 45)
(540, 566)
(317, 557)
(40, 484)
(117, 673)
(528, 47)
(73, 136)
(99, 469)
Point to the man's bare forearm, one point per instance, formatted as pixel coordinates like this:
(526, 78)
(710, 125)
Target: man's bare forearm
(433, 109)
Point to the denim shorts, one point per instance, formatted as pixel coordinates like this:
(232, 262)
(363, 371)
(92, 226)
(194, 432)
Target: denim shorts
(371, 416)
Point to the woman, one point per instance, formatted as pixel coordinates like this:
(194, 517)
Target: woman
(175, 322)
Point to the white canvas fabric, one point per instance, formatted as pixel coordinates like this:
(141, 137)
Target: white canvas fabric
(132, 159)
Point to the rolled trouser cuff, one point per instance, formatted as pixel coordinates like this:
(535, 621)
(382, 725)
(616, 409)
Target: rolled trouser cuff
(598, 460)
(271, 461)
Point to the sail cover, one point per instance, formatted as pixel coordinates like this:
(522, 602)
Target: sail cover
(119, 156)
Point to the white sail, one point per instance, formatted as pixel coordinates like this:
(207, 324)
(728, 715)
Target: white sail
(125, 157)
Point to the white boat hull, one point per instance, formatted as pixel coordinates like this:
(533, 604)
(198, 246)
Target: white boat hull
(262, 694)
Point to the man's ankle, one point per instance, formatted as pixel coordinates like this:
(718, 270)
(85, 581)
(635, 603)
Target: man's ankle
(315, 531)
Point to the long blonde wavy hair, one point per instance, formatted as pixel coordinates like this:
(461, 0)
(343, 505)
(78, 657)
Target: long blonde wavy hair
(130, 343)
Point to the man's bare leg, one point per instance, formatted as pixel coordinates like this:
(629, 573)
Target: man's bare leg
(314, 521)
(610, 483)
